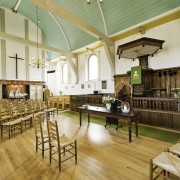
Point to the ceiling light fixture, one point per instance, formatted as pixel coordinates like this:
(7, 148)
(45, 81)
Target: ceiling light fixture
(37, 61)
(89, 1)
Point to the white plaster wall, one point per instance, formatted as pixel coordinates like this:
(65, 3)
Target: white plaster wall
(164, 58)
(82, 75)
(13, 48)
(0, 91)
(33, 32)
(169, 56)
(51, 80)
(58, 78)
(33, 94)
(14, 24)
(39, 90)
(0, 62)
(89, 86)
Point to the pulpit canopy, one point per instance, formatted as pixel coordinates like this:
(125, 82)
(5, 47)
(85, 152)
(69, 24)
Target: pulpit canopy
(140, 47)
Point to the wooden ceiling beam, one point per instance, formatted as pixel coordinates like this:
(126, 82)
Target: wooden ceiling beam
(31, 43)
(67, 16)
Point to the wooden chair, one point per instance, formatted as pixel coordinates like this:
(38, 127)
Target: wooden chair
(41, 136)
(5, 115)
(164, 165)
(26, 122)
(16, 112)
(66, 103)
(60, 145)
(11, 127)
(50, 111)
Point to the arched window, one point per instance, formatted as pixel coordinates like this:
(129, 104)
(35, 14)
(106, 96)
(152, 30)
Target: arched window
(93, 67)
(65, 73)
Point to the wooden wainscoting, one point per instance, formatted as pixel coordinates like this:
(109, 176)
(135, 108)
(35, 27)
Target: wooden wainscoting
(162, 112)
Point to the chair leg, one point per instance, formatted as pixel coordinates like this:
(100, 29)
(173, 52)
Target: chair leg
(151, 170)
(50, 152)
(9, 131)
(2, 131)
(21, 127)
(36, 144)
(75, 144)
(59, 153)
(42, 149)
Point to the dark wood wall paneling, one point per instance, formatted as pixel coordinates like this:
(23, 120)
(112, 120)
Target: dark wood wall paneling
(161, 107)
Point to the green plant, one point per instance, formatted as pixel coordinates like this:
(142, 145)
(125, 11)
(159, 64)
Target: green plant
(108, 99)
(176, 91)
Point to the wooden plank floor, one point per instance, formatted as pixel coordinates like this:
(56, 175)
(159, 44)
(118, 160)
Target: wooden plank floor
(102, 154)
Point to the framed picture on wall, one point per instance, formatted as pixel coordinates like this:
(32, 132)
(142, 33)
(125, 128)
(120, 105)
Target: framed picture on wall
(104, 84)
(82, 86)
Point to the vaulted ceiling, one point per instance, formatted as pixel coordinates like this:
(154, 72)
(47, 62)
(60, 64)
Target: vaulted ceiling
(109, 18)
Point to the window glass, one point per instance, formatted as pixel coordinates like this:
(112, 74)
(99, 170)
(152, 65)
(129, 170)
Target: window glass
(93, 67)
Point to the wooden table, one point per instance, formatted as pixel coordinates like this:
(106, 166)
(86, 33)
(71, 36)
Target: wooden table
(111, 117)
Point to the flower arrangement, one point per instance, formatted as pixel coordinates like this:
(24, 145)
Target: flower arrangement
(176, 91)
(108, 100)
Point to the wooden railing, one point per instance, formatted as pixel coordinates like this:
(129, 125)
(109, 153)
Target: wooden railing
(157, 104)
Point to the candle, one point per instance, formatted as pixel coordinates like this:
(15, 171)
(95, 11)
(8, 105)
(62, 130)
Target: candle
(125, 108)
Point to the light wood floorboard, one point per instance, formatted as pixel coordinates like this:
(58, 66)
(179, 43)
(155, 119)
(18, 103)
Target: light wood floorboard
(102, 154)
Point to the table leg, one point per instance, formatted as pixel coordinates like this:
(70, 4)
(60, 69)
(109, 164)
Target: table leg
(80, 117)
(130, 131)
(136, 126)
(88, 118)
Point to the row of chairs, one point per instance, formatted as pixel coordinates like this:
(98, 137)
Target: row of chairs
(18, 125)
(166, 163)
(60, 145)
(16, 115)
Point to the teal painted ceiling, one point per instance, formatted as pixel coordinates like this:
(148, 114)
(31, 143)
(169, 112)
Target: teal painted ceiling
(118, 14)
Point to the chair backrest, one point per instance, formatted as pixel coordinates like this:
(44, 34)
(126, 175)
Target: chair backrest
(53, 133)
(37, 120)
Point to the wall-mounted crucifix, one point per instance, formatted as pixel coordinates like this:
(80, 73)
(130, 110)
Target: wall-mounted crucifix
(16, 58)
